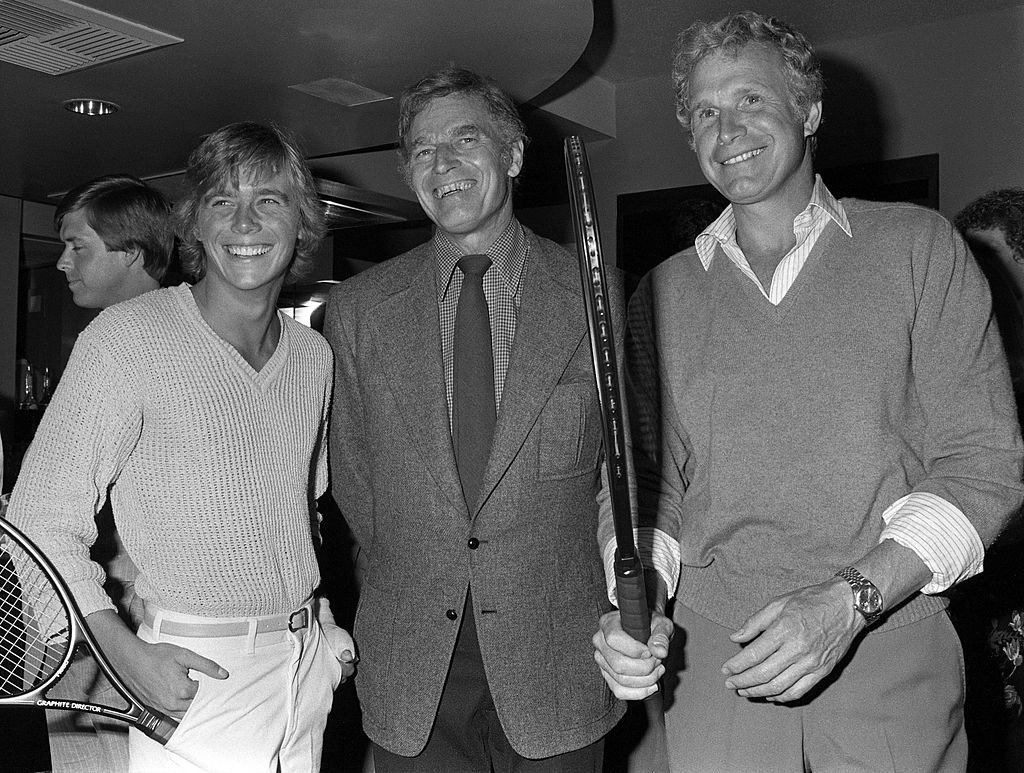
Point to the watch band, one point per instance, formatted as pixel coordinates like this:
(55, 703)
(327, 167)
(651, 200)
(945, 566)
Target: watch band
(867, 599)
(852, 576)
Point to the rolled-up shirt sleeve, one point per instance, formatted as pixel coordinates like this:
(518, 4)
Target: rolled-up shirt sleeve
(941, 535)
(657, 551)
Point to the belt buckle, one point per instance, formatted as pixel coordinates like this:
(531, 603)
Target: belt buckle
(300, 615)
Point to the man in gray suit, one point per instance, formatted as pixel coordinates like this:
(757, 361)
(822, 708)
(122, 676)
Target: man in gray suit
(467, 465)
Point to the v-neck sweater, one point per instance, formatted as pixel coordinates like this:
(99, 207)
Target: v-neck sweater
(212, 467)
(787, 430)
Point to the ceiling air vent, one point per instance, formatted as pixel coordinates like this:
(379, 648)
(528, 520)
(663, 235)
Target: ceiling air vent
(57, 36)
(340, 91)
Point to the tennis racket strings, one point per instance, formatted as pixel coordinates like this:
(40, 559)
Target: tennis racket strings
(35, 627)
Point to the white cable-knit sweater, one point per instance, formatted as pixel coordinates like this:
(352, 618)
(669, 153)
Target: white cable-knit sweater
(212, 468)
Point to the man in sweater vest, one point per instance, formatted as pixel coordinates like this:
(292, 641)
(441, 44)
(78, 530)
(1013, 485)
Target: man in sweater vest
(825, 440)
(470, 482)
(202, 410)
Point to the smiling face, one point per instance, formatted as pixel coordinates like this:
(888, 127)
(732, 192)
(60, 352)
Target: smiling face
(248, 232)
(461, 170)
(97, 276)
(750, 139)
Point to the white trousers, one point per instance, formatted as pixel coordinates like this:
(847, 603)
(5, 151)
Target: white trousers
(269, 714)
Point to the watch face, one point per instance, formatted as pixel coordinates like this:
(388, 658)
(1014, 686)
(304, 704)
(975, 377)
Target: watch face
(868, 600)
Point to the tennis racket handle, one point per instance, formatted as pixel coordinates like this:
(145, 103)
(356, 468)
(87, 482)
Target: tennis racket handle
(157, 726)
(632, 596)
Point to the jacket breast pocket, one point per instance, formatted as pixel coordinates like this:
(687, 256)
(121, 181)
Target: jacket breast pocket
(570, 432)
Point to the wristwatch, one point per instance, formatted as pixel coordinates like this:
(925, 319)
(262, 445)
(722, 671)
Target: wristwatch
(866, 598)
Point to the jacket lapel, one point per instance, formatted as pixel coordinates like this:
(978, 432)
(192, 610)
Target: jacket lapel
(408, 338)
(549, 330)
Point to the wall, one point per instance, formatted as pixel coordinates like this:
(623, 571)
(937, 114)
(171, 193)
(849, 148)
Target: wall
(954, 87)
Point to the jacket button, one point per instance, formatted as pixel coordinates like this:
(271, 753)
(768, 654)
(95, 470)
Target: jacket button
(451, 614)
(473, 543)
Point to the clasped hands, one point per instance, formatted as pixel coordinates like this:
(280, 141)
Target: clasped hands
(791, 644)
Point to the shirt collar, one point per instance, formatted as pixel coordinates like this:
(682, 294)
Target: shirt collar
(723, 229)
(507, 253)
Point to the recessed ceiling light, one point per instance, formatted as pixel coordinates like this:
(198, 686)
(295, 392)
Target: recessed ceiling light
(91, 106)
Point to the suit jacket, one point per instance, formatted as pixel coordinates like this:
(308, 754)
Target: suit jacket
(536, 573)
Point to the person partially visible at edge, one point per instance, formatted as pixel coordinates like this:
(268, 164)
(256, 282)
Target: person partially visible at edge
(825, 441)
(474, 507)
(118, 244)
(203, 410)
(993, 226)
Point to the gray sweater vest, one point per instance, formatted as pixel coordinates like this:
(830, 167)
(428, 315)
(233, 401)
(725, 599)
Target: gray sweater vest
(793, 427)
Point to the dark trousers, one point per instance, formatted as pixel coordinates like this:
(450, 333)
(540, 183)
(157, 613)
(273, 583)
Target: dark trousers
(467, 735)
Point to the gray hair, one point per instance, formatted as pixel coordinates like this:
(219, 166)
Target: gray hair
(449, 80)
(802, 69)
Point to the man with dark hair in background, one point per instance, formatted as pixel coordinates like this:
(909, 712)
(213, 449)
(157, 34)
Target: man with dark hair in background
(118, 239)
(202, 409)
(465, 451)
(993, 226)
(119, 243)
(825, 441)
(997, 221)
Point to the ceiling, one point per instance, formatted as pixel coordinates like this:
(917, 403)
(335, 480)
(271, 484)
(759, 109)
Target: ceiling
(238, 60)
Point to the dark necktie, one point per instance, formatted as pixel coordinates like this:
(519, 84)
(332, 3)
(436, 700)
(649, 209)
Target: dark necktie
(473, 411)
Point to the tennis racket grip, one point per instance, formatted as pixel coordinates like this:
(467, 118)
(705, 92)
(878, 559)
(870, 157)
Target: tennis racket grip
(651, 755)
(157, 725)
(632, 596)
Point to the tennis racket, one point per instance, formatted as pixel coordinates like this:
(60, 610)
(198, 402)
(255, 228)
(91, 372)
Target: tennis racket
(629, 572)
(41, 627)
